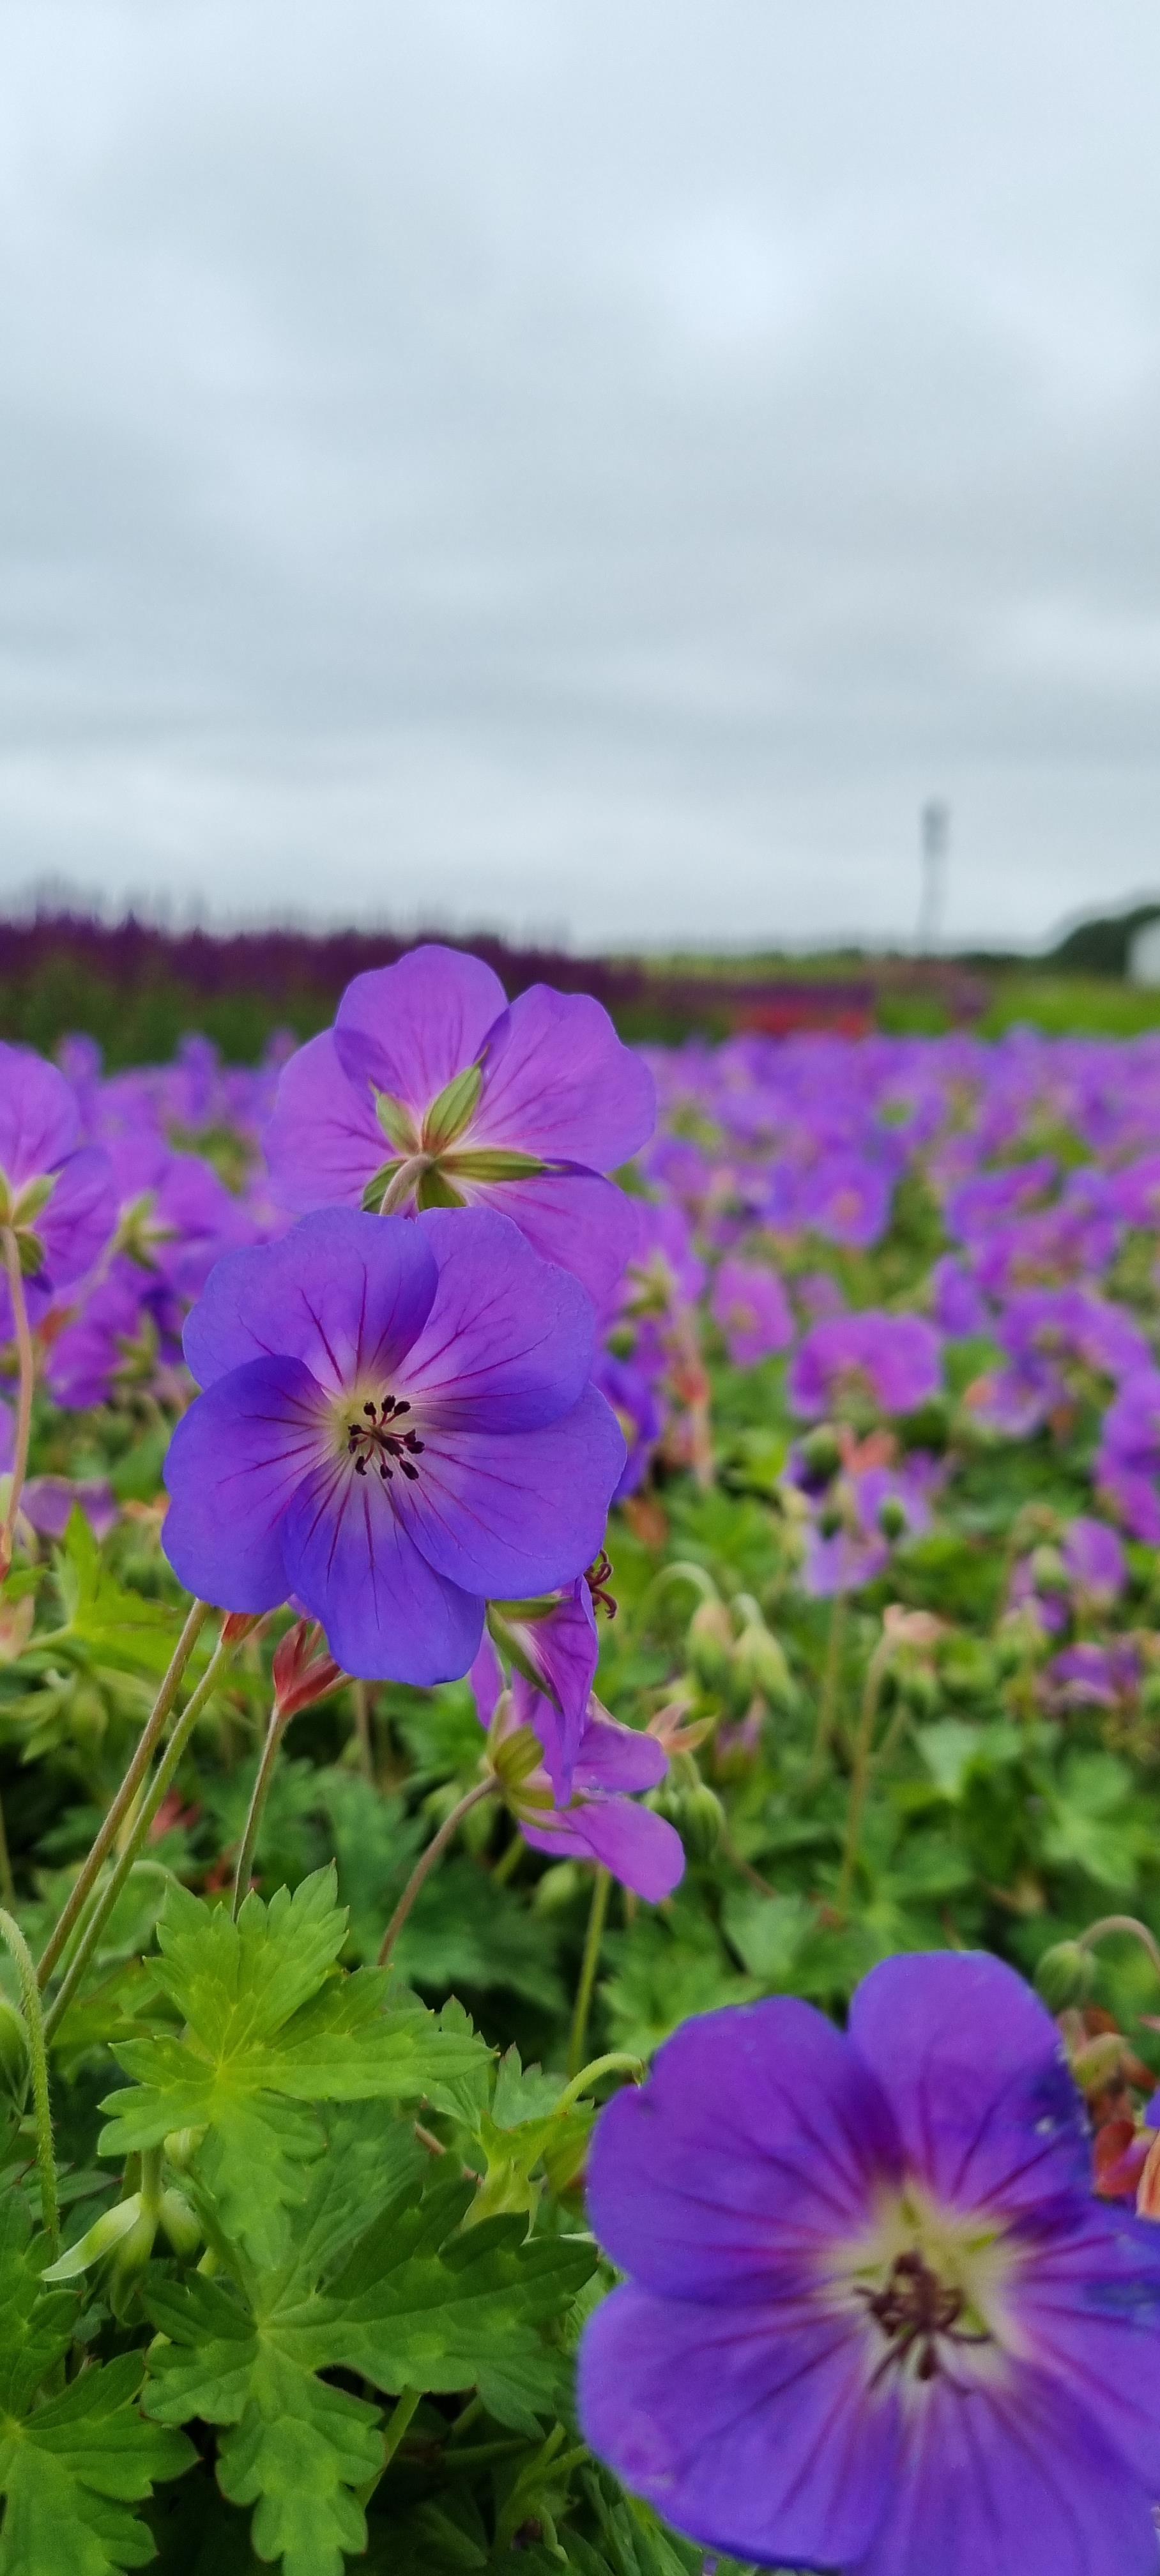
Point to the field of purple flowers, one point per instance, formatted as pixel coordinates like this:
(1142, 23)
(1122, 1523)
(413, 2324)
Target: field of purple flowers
(580, 1801)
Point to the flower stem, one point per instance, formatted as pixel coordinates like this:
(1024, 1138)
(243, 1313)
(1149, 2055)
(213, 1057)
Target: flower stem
(601, 1886)
(19, 1951)
(426, 1861)
(261, 1791)
(617, 2062)
(402, 2413)
(26, 1357)
(106, 1896)
(831, 1679)
(151, 1735)
(1122, 1923)
(860, 1771)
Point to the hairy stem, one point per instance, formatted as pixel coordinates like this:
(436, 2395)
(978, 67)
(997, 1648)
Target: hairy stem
(601, 1886)
(19, 1951)
(151, 1735)
(1122, 1923)
(26, 1357)
(261, 1791)
(106, 1896)
(427, 1859)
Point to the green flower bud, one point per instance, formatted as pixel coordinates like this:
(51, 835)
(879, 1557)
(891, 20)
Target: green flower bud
(759, 1664)
(710, 1644)
(701, 1821)
(109, 2232)
(893, 1520)
(1066, 1974)
(181, 2146)
(821, 1455)
(136, 2246)
(831, 1519)
(180, 2222)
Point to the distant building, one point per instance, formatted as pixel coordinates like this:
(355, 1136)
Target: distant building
(1144, 953)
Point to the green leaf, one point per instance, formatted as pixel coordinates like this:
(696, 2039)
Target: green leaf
(271, 2027)
(108, 1624)
(299, 2451)
(70, 2469)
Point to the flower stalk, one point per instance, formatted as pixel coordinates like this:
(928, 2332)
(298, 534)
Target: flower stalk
(34, 2023)
(26, 1358)
(593, 1937)
(474, 1797)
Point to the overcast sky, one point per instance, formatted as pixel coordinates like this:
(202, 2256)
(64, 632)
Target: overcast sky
(582, 465)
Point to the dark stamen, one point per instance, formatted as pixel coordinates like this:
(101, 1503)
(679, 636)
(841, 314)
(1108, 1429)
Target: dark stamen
(369, 1442)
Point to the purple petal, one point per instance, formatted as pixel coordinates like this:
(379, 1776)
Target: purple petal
(746, 2427)
(558, 1082)
(509, 1339)
(323, 1142)
(641, 1850)
(486, 1679)
(39, 1116)
(410, 1028)
(758, 2139)
(387, 1615)
(50, 1501)
(345, 1293)
(977, 2078)
(235, 1462)
(1089, 2303)
(564, 1650)
(79, 1218)
(509, 1516)
(618, 1758)
(1013, 2481)
(589, 1225)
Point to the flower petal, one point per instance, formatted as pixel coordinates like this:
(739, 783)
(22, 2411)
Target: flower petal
(977, 2077)
(746, 2427)
(387, 1615)
(509, 1338)
(235, 1462)
(1091, 2303)
(1016, 2480)
(409, 1028)
(589, 1225)
(323, 1142)
(79, 1218)
(343, 1292)
(758, 2141)
(618, 1759)
(643, 1851)
(504, 1516)
(559, 1082)
(39, 1117)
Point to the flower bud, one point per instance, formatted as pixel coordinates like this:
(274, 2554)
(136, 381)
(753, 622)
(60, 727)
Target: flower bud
(181, 2146)
(700, 1820)
(893, 1519)
(759, 1664)
(304, 1671)
(710, 1644)
(109, 2232)
(820, 1457)
(1066, 1974)
(1048, 1571)
(180, 2222)
(239, 1624)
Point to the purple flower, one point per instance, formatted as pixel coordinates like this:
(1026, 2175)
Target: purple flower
(556, 1646)
(632, 1392)
(599, 1820)
(753, 1311)
(431, 1088)
(1128, 1465)
(1093, 1676)
(877, 2320)
(846, 1198)
(48, 1503)
(55, 1192)
(397, 1425)
(1095, 1561)
(892, 1361)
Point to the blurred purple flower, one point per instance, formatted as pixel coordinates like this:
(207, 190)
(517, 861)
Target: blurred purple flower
(892, 1361)
(846, 1197)
(1090, 1675)
(55, 1193)
(397, 1426)
(630, 1387)
(430, 1087)
(1127, 1468)
(754, 1313)
(876, 2319)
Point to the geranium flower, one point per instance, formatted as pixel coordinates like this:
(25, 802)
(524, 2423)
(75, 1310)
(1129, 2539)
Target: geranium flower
(877, 2320)
(754, 1313)
(397, 1425)
(599, 1819)
(891, 1362)
(430, 1090)
(55, 1193)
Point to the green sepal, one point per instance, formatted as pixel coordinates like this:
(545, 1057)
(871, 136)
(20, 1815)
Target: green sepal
(452, 1112)
(396, 1122)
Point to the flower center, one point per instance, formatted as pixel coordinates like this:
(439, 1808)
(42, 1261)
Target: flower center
(917, 2312)
(374, 1439)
